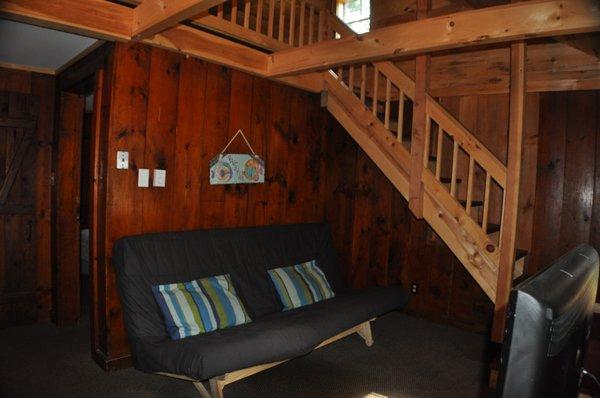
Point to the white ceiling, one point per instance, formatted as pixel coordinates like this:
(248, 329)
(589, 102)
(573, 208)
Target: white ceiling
(36, 47)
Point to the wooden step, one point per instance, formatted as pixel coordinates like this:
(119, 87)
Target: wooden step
(492, 228)
(519, 269)
(474, 203)
(448, 180)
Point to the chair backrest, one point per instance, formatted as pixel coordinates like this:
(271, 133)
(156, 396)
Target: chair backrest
(245, 253)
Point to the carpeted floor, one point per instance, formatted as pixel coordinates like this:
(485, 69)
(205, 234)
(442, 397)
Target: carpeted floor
(410, 358)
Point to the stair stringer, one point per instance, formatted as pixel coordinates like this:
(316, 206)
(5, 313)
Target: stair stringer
(441, 211)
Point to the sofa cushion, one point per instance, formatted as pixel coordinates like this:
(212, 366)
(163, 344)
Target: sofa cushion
(246, 254)
(275, 337)
(300, 285)
(199, 306)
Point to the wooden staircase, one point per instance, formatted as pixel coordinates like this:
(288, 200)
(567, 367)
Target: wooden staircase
(464, 184)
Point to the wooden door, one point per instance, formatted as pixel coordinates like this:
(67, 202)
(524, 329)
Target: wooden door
(67, 252)
(18, 156)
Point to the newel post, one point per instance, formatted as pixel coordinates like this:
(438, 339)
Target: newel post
(508, 233)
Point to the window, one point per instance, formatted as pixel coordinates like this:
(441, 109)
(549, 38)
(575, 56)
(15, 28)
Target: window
(356, 13)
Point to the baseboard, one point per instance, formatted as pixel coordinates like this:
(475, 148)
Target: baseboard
(111, 364)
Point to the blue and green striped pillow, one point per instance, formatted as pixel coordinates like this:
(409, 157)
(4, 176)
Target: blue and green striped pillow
(300, 285)
(199, 306)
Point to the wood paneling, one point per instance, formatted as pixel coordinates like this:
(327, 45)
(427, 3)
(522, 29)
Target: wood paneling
(315, 171)
(176, 114)
(25, 266)
(568, 182)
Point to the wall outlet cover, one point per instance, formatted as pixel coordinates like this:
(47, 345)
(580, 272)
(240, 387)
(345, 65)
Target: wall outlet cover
(160, 178)
(143, 178)
(122, 160)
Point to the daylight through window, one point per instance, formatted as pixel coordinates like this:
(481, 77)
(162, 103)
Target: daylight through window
(356, 13)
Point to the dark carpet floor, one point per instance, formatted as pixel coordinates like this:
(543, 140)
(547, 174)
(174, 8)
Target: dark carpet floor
(410, 358)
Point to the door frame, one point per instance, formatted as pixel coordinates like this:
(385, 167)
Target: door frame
(83, 78)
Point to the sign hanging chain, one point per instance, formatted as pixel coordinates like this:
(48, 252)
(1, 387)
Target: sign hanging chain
(234, 137)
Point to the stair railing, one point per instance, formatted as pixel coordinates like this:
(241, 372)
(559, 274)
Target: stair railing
(384, 89)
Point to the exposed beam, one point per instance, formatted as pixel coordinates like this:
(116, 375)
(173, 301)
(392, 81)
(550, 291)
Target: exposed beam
(153, 16)
(508, 232)
(95, 18)
(469, 28)
(211, 48)
(104, 20)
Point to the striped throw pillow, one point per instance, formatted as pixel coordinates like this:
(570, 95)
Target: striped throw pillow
(300, 285)
(199, 306)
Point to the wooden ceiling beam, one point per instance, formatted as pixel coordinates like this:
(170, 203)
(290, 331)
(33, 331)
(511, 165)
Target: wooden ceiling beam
(153, 16)
(503, 23)
(95, 18)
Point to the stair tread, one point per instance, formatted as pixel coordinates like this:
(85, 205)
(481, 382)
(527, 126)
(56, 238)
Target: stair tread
(447, 180)
(491, 228)
(474, 203)
(520, 253)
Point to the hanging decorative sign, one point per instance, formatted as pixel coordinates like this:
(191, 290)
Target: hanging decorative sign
(237, 168)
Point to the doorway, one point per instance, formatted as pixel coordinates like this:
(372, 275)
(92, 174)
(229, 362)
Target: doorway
(75, 194)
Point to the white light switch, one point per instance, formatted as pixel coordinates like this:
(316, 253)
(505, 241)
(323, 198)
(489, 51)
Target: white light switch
(160, 178)
(122, 160)
(143, 178)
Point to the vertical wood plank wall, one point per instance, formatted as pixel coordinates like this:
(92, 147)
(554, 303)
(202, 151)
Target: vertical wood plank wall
(567, 205)
(176, 113)
(26, 288)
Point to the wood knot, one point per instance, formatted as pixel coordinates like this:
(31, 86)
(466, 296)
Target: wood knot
(490, 248)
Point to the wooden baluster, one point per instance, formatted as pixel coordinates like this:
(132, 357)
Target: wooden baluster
(234, 6)
(259, 12)
(280, 36)
(363, 83)
(340, 74)
(486, 202)
(438, 153)
(246, 14)
(454, 169)
(388, 94)
(311, 12)
(427, 141)
(271, 18)
(220, 11)
(292, 32)
(351, 79)
(302, 18)
(400, 115)
(321, 26)
(470, 185)
(375, 89)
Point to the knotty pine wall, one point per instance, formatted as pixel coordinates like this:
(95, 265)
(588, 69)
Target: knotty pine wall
(567, 204)
(176, 113)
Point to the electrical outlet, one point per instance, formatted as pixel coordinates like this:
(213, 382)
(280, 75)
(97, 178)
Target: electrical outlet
(122, 160)
(414, 288)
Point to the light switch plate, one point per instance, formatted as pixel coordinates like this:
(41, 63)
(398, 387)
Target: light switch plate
(160, 178)
(143, 178)
(122, 160)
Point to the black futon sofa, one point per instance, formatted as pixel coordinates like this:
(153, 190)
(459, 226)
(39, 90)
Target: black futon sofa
(273, 336)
